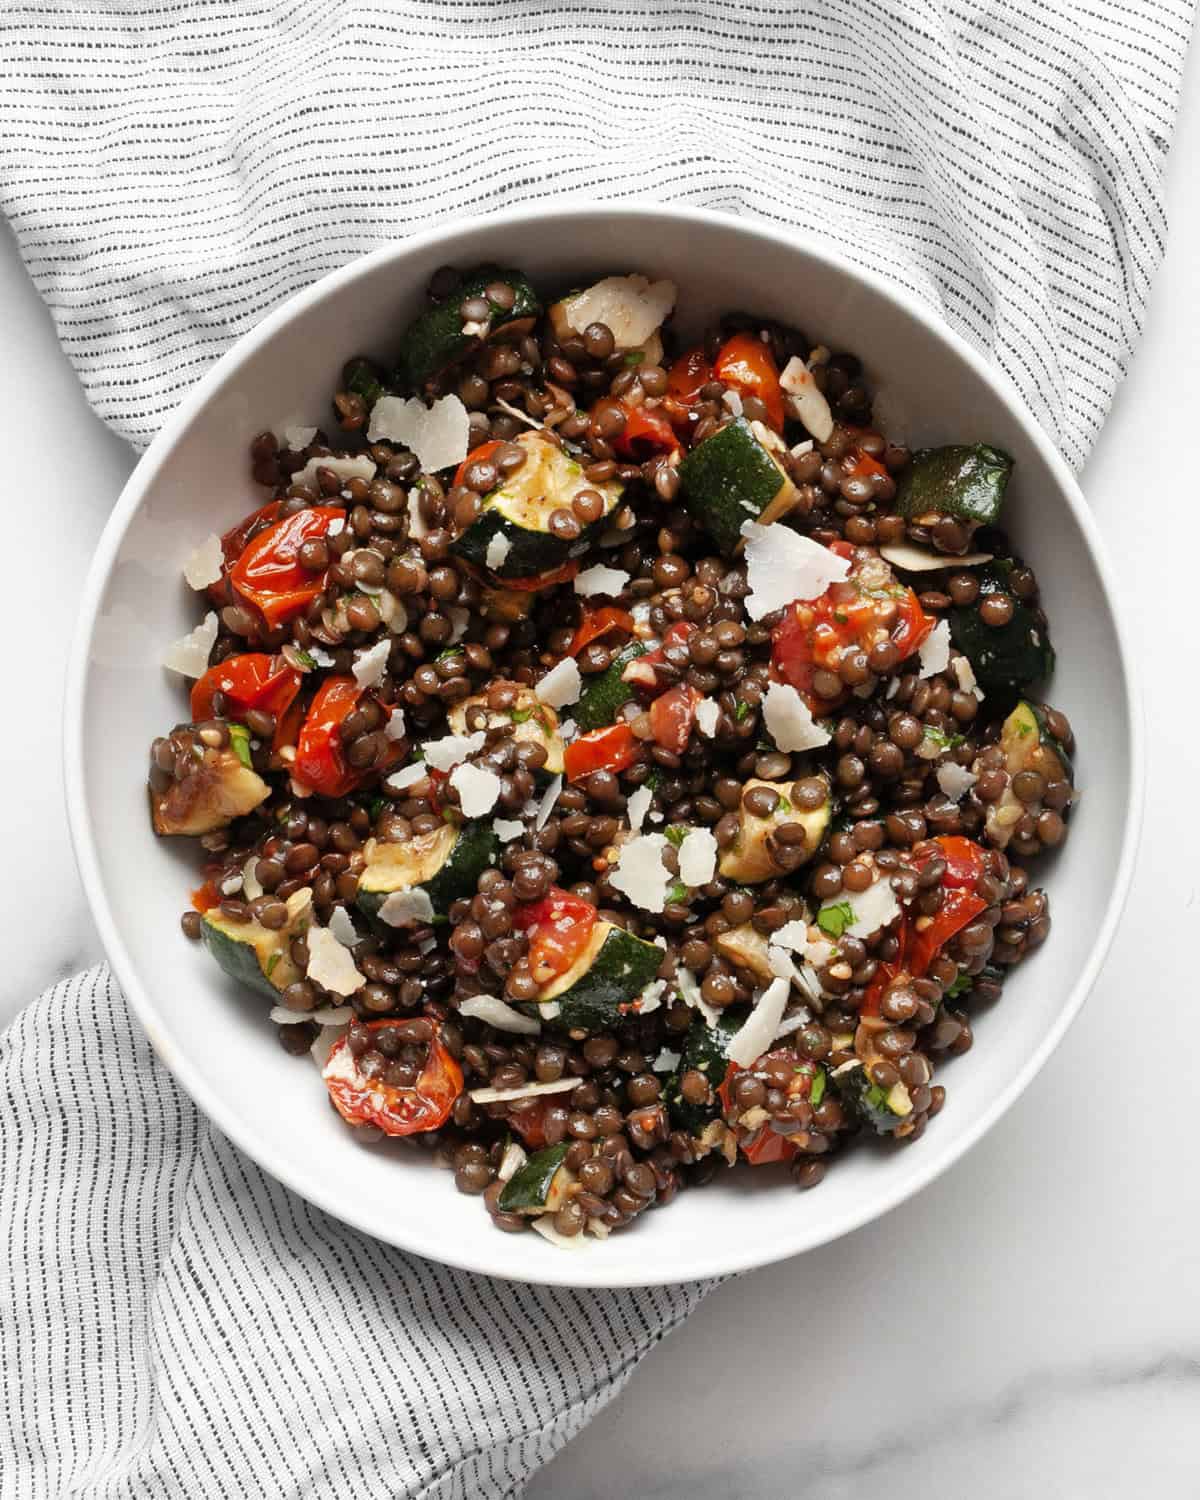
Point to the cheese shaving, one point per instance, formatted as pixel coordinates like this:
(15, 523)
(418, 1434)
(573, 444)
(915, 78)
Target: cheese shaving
(370, 666)
(789, 719)
(697, 857)
(357, 467)
(632, 307)
(478, 789)
(324, 1042)
(330, 964)
(640, 873)
(874, 908)
(955, 780)
(189, 655)
(204, 565)
(407, 909)
(650, 999)
(523, 1091)
(783, 566)
(910, 558)
(298, 438)
(546, 806)
(439, 434)
(600, 579)
(934, 650)
(497, 550)
(418, 526)
(561, 685)
(342, 927)
(638, 806)
(805, 402)
(758, 1032)
(494, 1012)
(445, 754)
(407, 776)
(964, 675)
(507, 829)
(708, 714)
(395, 728)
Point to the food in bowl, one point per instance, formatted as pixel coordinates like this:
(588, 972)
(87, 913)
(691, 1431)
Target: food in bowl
(616, 759)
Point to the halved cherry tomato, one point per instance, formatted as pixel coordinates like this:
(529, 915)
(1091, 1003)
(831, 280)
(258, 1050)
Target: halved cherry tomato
(530, 1124)
(476, 455)
(688, 374)
(964, 859)
(958, 909)
(865, 467)
(396, 1111)
(233, 543)
(206, 896)
(610, 749)
(766, 1147)
(647, 432)
(672, 715)
(866, 608)
(598, 622)
(746, 364)
(543, 580)
(559, 927)
(253, 680)
(268, 574)
(320, 765)
(641, 670)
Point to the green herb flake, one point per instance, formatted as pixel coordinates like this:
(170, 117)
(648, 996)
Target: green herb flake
(1023, 729)
(943, 740)
(742, 711)
(677, 893)
(834, 920)
(635, 357)
(962, 986)
(271, 962)
(676, 833)
(521, 715)
(817, 1092)
(305, 660)
(785, 807)
(375, 806)
(239, 738)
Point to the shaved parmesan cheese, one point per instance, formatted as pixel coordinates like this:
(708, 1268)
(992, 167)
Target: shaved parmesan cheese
(251, 885)
(782, 566)
(955, 780)
(358, 467)
(298, 438)
(690, 994)
(406, 777)
(792, 935)
(494, 1012)
(789, 719)
(758, 1032)
(965, 676)
(324, 1042)
(231, 886)
(189, 655)
(329, 1015)
(910, 558)
(893, 688)
(732, 402)
(407, 909)
(204, 565)
(342, 927)
(819, 952)
(522, 1091)
(330, 965)
(497, 550)
(507, 829)
(638, 806)
(417, 524)
(475, 330)
(336, 526)
(439, 434)
(792, 1023)
(697, 857)
(321, 658)
(600, 579)
(392, 612)
(371, 665)
(512, 1161)
(780, 963)
(651, 997)
(395, 728)
(546, 806)
(768, 437)
(934, 650)
(708, 713)
(460, 617)
(666, 1061)
(805, 401)
(798, 450)
(550, 1010)
(545, 1227)
(640, 872)
(632, 307)
(873, 908)
(561, 685)
(445, 754)
(567, 730)
(477, 788)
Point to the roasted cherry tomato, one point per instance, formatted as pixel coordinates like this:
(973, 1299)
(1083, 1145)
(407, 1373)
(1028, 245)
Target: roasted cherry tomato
(688, 375)
(233, 543)
(958, 909)
(865, 467)
(543, 580)
(672, 715)
(320, 765)
(964, 859)
(530, 1124)
(268, 573)
(598, 622)
(610, 749)
(254, 680)
(641, 670)
(767, 1146)
(863, 610)
(396, 1111)
(647, 432)
(746, 365)
(206, 896)
(476, 455)
(559, 927)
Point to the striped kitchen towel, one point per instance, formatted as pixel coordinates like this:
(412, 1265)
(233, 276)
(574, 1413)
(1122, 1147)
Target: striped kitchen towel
(172, 1321)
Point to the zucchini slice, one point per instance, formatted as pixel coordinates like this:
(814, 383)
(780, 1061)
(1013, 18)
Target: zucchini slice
(255, 955)
(1028, 745)
(704, 1051)
(882, 1109)
(612, 971)
(1005, 657)
(607, 693)
(541, 1185)
(445, 863)
(215, 791)
(965, 482)
(747, 860)
(519, 510)
(530, 720)
(746, 947)
(435, 338)
(729, 479)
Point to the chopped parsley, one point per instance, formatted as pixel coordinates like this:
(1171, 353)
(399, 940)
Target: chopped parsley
(375, 805)
(271, 962)
(962, 986)
(834, 920)
(239, 738)
(742, 711)
(943, 740)
(817, 1092)
(785, 806)
(676, 833)
(305, 660)
(521, 715)
(677, 893)
(1023, 728)
(448, 651)
(635, 357)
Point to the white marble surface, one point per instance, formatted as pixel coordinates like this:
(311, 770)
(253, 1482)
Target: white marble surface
(1031, 1324)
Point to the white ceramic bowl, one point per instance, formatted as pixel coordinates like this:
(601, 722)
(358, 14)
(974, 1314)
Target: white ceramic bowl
(217, 1040)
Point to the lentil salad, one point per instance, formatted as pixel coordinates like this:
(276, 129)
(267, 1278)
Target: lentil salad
(616, 761)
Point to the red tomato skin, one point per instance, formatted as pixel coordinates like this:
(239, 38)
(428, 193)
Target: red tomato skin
(559, 927)
(253, 680)
(746, 364)
(320, 765)
(647, 432)
(267, 574)
(424, 1106)
(480, 454)
(672, 715)
(597, 623)
(610, 749)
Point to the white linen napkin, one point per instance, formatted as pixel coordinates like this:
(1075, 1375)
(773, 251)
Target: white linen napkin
(172, 1321)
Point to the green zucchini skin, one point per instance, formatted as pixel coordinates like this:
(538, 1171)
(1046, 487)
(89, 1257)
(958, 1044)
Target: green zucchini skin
(881, 1109)
(363, 378)
(619, 973)
(530, 552)
(528, 1190)
(1005, 658)
(704, 1049)
(239, 960)
(605, 694)
(1028, 745)
(729, 479)
(434, 339)
(966, 482)
(475, 849)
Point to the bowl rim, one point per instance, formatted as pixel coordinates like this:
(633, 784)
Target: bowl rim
(566, 1270)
